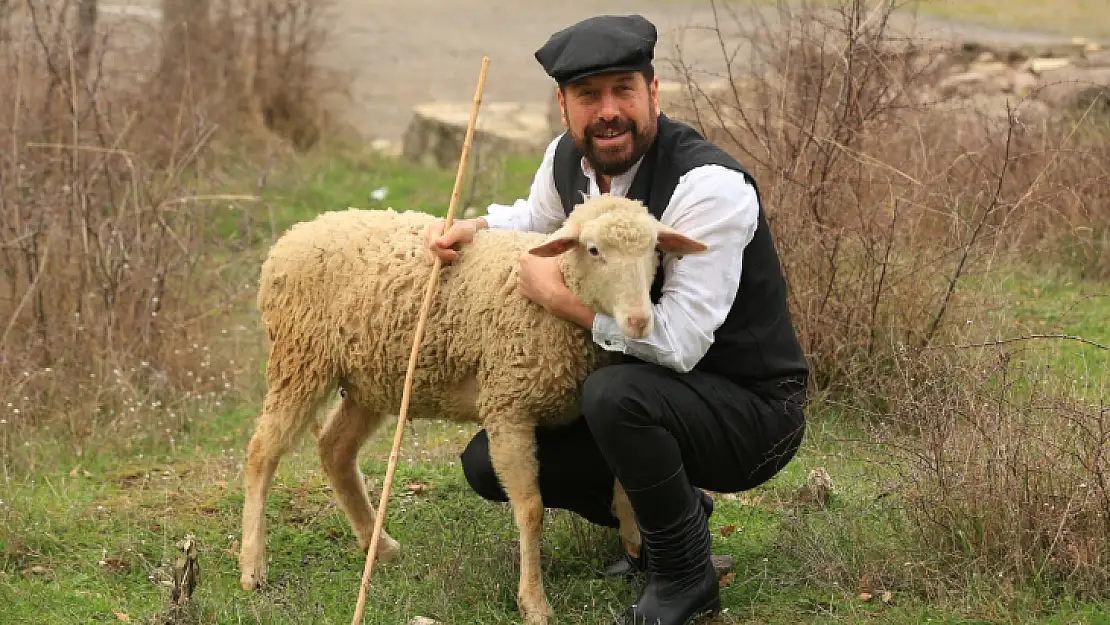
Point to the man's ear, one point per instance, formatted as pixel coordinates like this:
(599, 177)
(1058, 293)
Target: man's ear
(670, 241)
(562, 107)
(557, 242)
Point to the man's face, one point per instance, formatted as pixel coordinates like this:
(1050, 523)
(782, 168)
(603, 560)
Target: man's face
(612, 119)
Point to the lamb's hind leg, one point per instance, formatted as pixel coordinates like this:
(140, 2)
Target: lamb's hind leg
(628, 530)
(512, 452)
(285, 415)
(343, 435)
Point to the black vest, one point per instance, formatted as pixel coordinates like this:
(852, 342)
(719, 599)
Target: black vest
(756, 346)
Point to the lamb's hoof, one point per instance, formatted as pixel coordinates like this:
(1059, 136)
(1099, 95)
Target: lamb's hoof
(389, 550)
(537, 618)
(252, 579)
(538, 613)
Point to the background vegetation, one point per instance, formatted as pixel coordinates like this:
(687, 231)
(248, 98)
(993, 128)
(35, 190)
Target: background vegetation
(948, 277)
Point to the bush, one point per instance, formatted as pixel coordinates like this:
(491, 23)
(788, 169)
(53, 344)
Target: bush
(891, 204)
(1004, 470)
(885, 196)
(117, 293)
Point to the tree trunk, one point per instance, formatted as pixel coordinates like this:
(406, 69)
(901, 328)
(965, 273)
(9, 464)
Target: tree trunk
(184, 23)
(86, 33)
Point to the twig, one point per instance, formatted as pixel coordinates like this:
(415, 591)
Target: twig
(1015, 339)
(31, 290)
(995, 200)
(210, 198)
(424, 310)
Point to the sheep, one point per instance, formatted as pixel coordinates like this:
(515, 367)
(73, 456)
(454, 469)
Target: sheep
(340, 296)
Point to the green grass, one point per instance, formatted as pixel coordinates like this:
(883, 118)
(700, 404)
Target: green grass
(82, 542)
(1059, 303)
(346, 177)
(459, 561)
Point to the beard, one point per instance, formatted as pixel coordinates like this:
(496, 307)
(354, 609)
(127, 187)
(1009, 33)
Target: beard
(614, 161)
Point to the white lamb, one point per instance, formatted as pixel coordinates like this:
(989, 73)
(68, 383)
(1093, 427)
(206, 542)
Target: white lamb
(340, 297)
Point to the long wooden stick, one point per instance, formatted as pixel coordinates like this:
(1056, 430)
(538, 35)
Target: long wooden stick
(428, 292)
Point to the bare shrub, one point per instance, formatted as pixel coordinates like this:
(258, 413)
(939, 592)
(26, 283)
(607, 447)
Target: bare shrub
(260, 56)
(119, 291)
(885, 196)
(891, 203)
(1006, 472)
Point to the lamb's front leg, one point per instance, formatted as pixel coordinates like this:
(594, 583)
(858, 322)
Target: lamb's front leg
(513, 453)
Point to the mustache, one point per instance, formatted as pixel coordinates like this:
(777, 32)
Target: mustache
(616, 125)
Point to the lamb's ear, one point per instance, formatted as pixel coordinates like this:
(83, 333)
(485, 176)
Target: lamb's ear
(670, 241)
(557, 242)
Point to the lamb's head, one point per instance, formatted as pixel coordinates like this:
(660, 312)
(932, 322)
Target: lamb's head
(609, 247)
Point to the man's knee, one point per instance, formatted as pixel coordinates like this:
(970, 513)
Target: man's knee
(616, 395)
(478, 469)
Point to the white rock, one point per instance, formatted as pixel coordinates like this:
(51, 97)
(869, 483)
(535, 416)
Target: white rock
(384, 146)
(1040, 66)
(437, 131)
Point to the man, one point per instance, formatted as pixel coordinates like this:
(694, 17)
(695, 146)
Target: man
(714, 396)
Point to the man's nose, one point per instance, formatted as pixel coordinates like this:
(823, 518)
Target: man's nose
(609, 108)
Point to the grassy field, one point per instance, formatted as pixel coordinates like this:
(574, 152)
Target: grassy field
(92, 538)
(1086, 18)
(972, 479)
(1070, 18)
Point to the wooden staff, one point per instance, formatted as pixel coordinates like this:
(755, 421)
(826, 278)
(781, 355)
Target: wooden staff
(429, 291)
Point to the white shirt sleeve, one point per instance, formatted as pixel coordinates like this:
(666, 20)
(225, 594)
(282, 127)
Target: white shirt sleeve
(542, 211)
(718, 207)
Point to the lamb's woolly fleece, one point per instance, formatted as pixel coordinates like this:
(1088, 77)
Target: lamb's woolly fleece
(340, 297)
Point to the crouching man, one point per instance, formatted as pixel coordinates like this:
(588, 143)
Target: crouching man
(714, 396)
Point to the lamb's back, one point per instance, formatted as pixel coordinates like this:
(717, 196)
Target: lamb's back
(359, 277)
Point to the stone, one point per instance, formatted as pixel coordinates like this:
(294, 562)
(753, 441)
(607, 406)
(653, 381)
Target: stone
(992, 108)
(1097, 58)
(1061, 87)
(1042, 65)
(437, 130)
(722, 564)
(386, 147)
(968, 83)
(688, 102)
(818, 487)
(423, 620)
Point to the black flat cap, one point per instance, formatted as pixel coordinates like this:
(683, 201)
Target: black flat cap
(599, 45)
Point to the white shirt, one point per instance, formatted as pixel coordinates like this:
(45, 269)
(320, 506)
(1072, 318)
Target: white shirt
(712, 204)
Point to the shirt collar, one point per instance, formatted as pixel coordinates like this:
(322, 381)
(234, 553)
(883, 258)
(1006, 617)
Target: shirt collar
(619, 185)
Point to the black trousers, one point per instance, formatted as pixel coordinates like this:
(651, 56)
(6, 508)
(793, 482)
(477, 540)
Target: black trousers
(643, 422)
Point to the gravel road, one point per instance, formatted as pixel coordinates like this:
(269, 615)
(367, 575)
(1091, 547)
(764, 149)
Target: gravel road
(402, 52)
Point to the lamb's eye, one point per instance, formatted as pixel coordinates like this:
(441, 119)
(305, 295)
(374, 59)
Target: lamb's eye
(593, 250)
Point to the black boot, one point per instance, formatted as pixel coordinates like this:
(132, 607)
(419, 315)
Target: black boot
(682, 583)
(629, 565)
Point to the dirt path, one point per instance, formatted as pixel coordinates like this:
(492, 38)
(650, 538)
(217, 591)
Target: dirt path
(402, 52)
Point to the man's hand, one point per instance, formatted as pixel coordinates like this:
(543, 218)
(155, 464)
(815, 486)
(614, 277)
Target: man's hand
(445, 245)
(540, 280)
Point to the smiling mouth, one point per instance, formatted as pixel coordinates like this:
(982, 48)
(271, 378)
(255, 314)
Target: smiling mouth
(610, 136)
